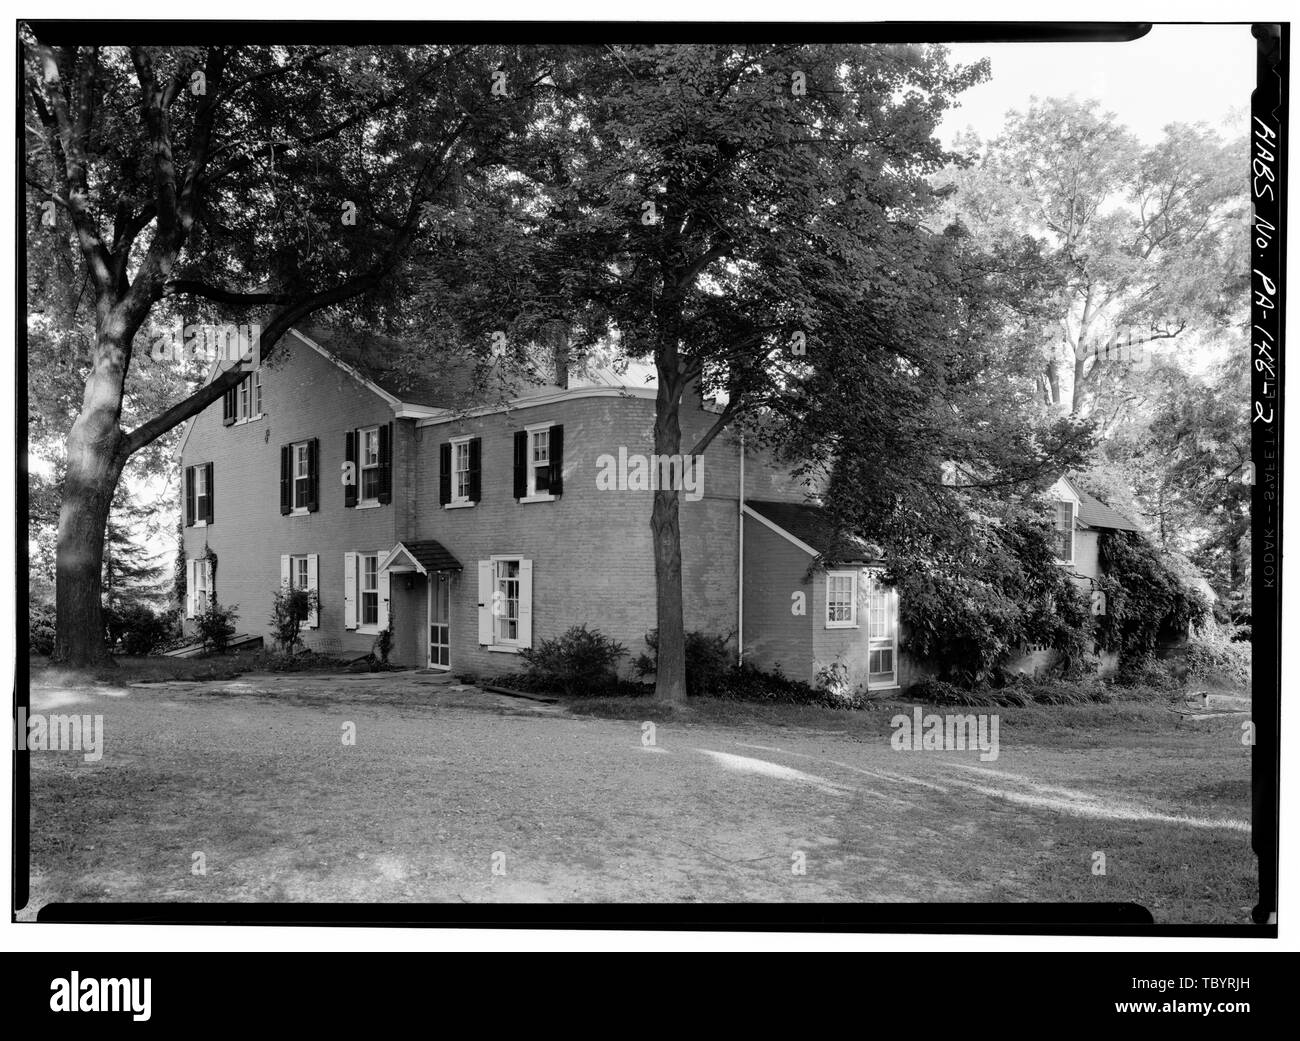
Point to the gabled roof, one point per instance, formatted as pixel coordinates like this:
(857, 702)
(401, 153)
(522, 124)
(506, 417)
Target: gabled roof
(809, 527)
(427, 555)
(1096, 514)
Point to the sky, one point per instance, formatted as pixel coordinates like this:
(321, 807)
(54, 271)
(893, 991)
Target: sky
(1174, 74)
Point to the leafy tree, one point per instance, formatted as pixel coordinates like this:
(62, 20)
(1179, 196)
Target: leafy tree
(1147, 243)
(743, 216)
(266, 181)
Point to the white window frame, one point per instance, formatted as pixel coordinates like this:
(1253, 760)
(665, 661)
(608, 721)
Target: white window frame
(256, 393)
(248, 398)
(882, 643)
(200, 515)
(852, 621)
(498, 616)
(362, 466)
(457, 497)
(299, 572)
(533, 432)
(300, 456)
(1074, 516)
(202, 584)
(363, 590)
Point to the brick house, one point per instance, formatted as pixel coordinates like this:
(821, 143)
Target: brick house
(474, 532)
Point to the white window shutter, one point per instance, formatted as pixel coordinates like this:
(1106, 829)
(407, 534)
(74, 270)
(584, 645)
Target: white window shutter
(191, 583)
(208, 590)
(525, 603)
(382, 581)
(485, 602)
(349, 590)
(313, 583)
(286, 576)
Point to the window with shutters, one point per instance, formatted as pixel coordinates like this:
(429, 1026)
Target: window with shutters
(538, 462)
(370, 589)
(460, 471)
(505, 601)
(199, 477)
(301, 475)
(368, 442)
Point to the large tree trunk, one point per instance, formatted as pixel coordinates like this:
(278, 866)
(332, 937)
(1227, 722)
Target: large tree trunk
(94, 467)
(1078, 392)
(665, 524)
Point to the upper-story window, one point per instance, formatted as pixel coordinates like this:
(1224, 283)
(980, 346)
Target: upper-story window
(1063, 531)
(369, 464)
(198, 495)
(460, 471)
(539, 462)
(300, 477)
(243, 402)
(368, 474)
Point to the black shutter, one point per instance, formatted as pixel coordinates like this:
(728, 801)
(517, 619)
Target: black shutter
(555, 479)
(386, 462)
(476, 469)
(444, 473)
(286, 478)
(313, 475)
(189, 497)
(350, 454)
(211, 493)
(521, 463)
(228, 407)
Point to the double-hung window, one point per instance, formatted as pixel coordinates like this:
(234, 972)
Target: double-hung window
(539, 461)
(369, 589)
(460, 471)
(201, 494)
(882, 635)
(301, 476)
(370, 477)
(505, 601)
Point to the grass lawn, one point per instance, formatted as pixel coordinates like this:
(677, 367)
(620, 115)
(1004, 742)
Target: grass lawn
(570, 803)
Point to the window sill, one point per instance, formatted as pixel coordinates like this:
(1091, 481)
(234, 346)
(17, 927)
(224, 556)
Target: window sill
(874, 690)
(539, 497)
(370, 504)
(843, 625)
(458, 505)
(367, 630)
(502, 648)
(299, 511)
(247, 419)
(199, 524)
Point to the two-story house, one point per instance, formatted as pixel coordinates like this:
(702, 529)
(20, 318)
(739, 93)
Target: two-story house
(474, 532)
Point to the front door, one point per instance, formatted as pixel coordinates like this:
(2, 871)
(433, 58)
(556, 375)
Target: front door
(440, 621)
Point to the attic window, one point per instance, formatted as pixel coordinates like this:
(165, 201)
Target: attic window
(1063, 523)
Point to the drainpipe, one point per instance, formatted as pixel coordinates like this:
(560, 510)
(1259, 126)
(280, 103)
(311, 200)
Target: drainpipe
(740, 560)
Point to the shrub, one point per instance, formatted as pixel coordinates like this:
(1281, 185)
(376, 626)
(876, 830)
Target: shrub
(581, 661)
(215, 625)
(1146, 601)
(383, 646)
(746, 682)
(709, 658)
(136, 629)
(291, 607)
(971, 616)
(1216, 651)
(40, 628)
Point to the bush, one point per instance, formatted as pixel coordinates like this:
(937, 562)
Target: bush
(40, 628)
(291, 608)
(215, 625)
(709, 659)
(746, 682)
(136, 629)
(972, 616)
(383, 646)
(1217, 652)
(1021, 692)
(581, 661)
(1146, 601)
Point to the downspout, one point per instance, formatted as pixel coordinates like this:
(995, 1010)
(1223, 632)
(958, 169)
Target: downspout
(740, 560)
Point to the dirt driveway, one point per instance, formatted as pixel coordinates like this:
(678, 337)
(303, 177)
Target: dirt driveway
(399, 789)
